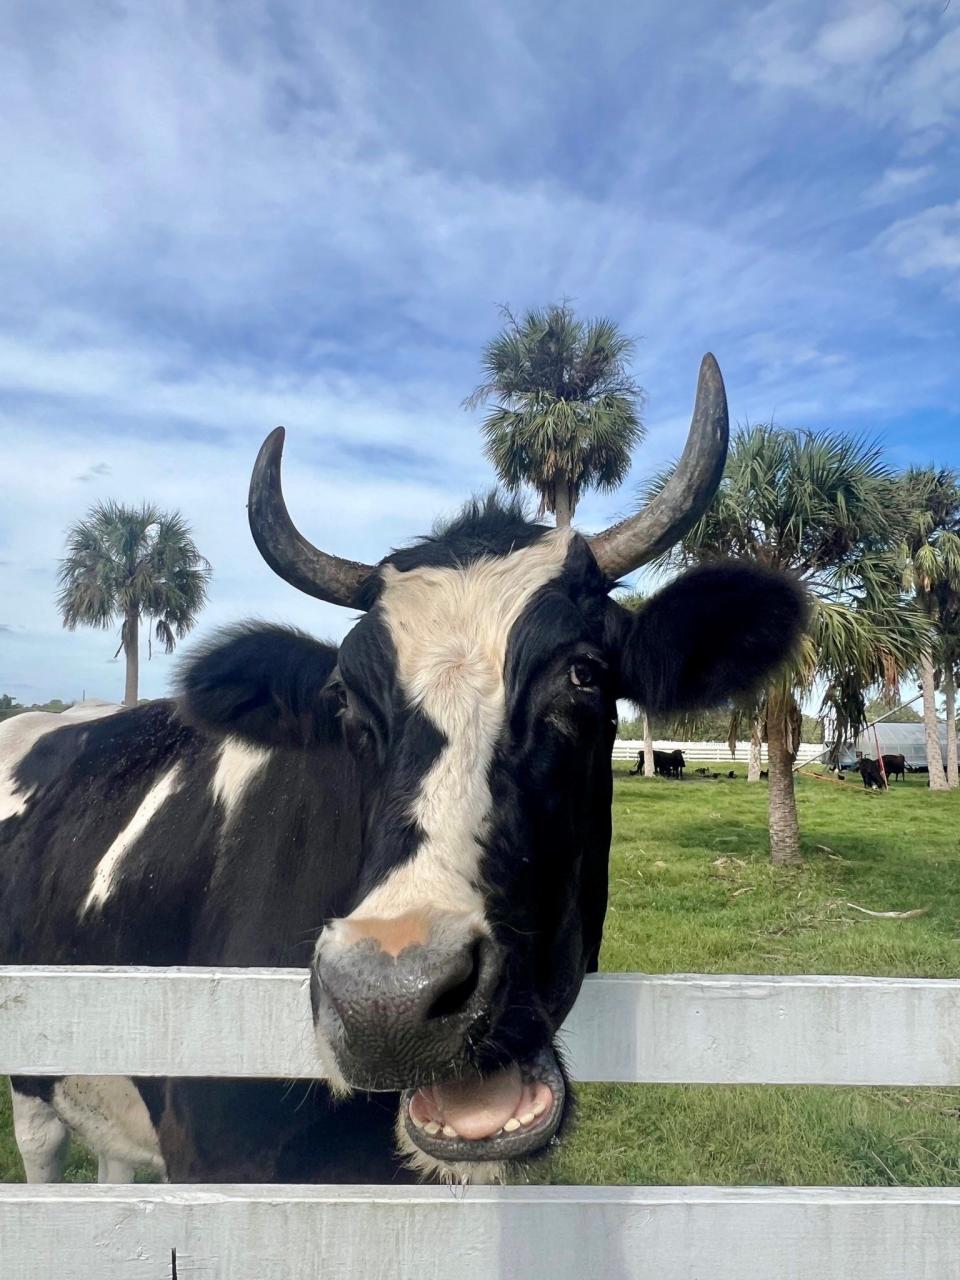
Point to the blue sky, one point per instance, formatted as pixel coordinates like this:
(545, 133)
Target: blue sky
(221, 216)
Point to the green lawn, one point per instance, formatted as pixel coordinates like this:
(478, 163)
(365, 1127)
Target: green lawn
(692, 890)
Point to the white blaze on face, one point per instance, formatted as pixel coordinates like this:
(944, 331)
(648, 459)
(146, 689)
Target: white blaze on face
(450, 628)
(104, 877)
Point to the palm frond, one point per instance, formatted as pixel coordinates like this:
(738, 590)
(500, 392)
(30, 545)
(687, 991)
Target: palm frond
(120, 559)
(562, 403)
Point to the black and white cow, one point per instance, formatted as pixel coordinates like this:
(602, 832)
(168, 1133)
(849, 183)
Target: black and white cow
(421, 817)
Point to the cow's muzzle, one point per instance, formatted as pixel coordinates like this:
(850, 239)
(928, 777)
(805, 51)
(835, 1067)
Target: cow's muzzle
(400, 1021)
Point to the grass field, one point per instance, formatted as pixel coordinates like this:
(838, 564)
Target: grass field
(692, 890)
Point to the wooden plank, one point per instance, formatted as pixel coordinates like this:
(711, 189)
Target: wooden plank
(392, 1233)
(803, 1029)
(626, 1027)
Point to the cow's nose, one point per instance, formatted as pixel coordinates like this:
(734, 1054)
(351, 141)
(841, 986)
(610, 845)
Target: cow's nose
(398, 1019)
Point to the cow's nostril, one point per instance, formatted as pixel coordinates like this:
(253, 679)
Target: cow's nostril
(460, 984)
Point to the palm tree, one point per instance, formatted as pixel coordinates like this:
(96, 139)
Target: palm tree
(566, 412)
(931, 552)
(129, 563)
(949, 625)
(750, 712)
(823, 507)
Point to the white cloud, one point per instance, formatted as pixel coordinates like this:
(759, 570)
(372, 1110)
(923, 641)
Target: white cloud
(862, 35)
(896, 182)
(892, 64)
(925, 243)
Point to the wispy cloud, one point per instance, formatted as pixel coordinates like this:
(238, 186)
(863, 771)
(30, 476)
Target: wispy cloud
(927, 244)
(898, 182)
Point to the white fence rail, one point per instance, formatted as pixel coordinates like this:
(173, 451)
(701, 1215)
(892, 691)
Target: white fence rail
(681, 1028)
(698, 752)
(508, 1233)
(627, 1027)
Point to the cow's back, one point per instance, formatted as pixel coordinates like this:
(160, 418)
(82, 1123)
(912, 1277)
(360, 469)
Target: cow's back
(137, 839)
(77, 801)
(21, 733)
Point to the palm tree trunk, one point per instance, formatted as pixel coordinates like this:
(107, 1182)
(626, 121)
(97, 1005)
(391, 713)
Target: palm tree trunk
(562, 500)
(756, 753)
(648, 769)
(131, 651)
(950, 697)
(784, 827)
(938, 779)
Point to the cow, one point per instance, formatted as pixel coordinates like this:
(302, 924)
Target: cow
(895, 767)
(664, 763)
(419, 817)
(675, 763)
(871, 773)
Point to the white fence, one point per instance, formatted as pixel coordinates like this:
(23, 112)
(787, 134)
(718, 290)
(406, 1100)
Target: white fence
(697, 752)
(627, 1027)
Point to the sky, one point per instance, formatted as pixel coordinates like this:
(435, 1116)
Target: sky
(218, 217)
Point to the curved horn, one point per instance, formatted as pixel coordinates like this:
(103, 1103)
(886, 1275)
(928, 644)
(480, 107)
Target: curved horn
(685, 496)
(286, 551)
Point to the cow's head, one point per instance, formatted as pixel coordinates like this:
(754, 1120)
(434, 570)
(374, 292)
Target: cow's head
(478, 691)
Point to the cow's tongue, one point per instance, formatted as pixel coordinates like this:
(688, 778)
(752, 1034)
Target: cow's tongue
(478, 1107)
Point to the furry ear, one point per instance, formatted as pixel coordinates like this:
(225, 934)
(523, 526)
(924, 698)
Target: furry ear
(267, 685)
(713, 634)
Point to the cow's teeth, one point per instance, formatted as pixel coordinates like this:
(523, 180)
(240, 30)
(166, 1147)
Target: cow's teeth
(449, 1131)
(539, 1109)
(528, 1118)
(512, 1125)
(432, 1128)
(418, 1124)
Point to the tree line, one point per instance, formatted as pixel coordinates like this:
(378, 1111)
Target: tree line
(877, 551)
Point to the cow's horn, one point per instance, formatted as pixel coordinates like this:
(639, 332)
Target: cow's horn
(687, 493)
(285, 550)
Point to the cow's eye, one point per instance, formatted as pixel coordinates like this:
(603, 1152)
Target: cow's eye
(583, 674)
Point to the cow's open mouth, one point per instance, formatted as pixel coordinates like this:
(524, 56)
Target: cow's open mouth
(503, 1116)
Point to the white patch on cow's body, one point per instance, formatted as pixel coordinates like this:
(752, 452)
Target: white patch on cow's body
(19, 735)
(449, 628)
(237, 766)
(109, 1115)
(104, 876)
(42, 1138)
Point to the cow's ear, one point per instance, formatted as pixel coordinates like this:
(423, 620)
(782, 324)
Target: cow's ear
(713, 634)
(268, 685)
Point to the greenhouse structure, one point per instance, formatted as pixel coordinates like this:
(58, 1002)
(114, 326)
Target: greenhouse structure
(886, 738)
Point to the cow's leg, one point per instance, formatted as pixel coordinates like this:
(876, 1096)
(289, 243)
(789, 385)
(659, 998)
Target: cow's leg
(109, 1114)
(42, 1137)
(113, 1171)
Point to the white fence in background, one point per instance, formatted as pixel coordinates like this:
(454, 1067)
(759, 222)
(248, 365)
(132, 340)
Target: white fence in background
(625, 1027)
(698, 752)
